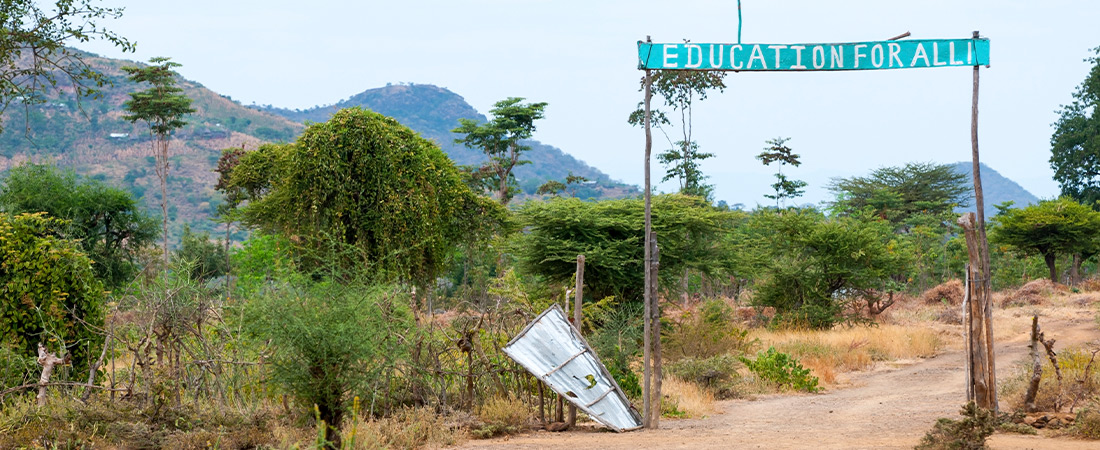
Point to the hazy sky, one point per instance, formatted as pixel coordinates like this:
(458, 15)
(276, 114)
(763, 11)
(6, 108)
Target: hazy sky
(580, 56)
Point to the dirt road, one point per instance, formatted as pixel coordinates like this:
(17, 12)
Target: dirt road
(890, 407)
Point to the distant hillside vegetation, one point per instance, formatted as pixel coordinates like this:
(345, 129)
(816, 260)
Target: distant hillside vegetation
(995, 189)
(434, 111)
(91, 138)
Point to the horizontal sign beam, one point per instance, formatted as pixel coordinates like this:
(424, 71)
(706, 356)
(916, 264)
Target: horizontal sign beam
(904, 54)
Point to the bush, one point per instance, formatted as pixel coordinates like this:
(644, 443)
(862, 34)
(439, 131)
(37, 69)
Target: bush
(332, 340)
(717, 374)
(618, 341)
(950, 292)
(781, 369)
(706, 333)
(969, 433)
(1087, 424)
(501, 415)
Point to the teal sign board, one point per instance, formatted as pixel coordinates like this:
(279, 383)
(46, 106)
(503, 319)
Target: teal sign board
(903, 54)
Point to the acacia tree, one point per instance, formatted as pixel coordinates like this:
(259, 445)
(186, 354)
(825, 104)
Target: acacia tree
(500, 139)
(1050, 228)
(107, 222)
(34, 56)
(785, 188)
(898, 194)
(1075, 145)
(162, 106)
(680, 90)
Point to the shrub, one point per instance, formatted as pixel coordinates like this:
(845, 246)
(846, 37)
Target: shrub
(706, 333)
(618, 341)
(717, 374)
(782, 370)
(332, 340)
(501, 415)
(1087, 424)
(969, 433)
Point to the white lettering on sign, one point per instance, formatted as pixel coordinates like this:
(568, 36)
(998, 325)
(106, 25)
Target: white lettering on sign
(698, 61)
(877, 50)
(819, 57)
(777, 49)
(721, 56)
(858, 55)
(895, 49)
(670, 54)
(733, 56)
(798, 56)
(920, 54)
(951, 45)
(757, 54)
(838, 56)
(936, 55)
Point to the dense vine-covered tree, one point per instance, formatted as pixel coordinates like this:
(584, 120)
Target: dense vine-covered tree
(162, 106)
(364, 181)
(499, 139)
(107, 222)
(34, 52)
(51, 295)
(1075, 145)
(1050, 228)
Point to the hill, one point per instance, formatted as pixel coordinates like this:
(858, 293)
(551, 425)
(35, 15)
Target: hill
(90, 137)
(995, 188)
(434, 111)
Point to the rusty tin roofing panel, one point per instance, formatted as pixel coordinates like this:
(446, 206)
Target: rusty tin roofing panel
(552, 350)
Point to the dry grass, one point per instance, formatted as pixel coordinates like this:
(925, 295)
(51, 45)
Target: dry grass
(502, 415)
(407, 429)
(829, 353)
(688, 397)
(950, 292)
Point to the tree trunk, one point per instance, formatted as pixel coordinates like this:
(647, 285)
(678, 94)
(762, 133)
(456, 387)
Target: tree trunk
(655, 328)
(578, 302)
(1075, 270)
(1036, 367)
(1049, 259)
(48, 361)
(982, 385)
(161, 160)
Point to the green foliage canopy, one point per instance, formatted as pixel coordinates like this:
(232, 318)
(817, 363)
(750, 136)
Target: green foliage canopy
(610, 235)
(107, 222)
(1050, 228)
(162, 105)
(1075, 144)
(500, 138)
(205, 258)
(785, 188)
(45, 280)
(364, 181)
(900, 194)
(808, 265)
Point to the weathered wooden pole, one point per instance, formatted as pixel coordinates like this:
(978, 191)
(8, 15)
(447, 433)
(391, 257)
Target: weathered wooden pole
(655, 329)
(578, 300)
(979, 320)
(647, 341)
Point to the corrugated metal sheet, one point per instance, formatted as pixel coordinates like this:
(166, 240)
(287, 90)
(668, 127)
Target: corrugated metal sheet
(552, 350)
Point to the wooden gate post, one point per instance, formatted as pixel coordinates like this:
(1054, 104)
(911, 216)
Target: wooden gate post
(647, 398)
(578, 300)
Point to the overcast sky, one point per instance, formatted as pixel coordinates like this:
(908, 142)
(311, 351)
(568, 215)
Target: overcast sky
(580, 56)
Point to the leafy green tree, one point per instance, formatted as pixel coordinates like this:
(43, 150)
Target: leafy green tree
(901, 195)
(364, 181)
(610, 234)
(554, 187)
(107, 222)
(34, 48)
(809, 267)
(785, 188)
(1050, 228)
(500, 139)
(205, 257)
(51, 296)
(162, 106)
(333, 341)
(680, 90)
(1075, 144)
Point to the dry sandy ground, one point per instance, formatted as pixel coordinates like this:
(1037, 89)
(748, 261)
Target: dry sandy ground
(889, 407)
